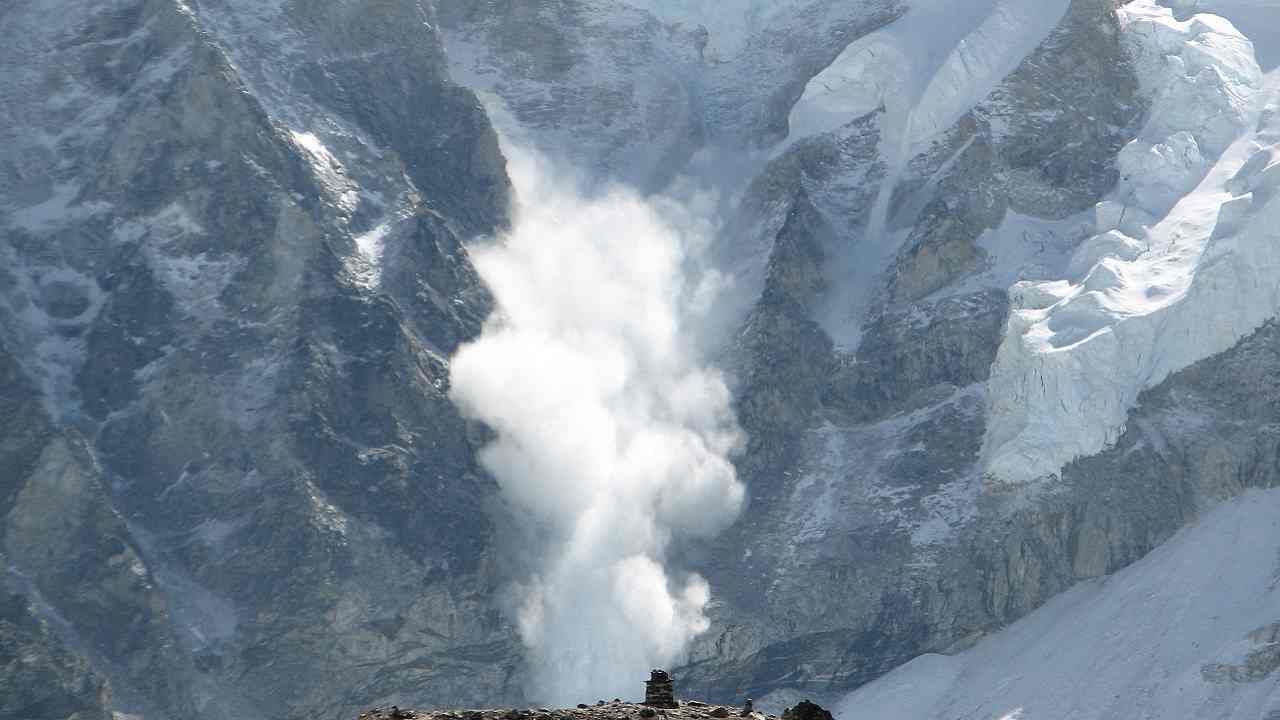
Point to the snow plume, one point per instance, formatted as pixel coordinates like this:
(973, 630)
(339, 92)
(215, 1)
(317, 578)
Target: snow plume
(611, 435)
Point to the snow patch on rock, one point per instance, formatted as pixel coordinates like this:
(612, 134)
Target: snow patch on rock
(196, 280)
(59, 210)
(846, 484)
(328, 171)
(370, 247)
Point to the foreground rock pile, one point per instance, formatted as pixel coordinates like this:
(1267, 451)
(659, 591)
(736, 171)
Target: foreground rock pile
(615, 710)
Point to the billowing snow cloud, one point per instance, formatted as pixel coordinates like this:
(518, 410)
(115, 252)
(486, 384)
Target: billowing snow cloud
(611, 435)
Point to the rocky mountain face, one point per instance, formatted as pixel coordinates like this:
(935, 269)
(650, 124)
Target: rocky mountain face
(233, 273)
(234, 238)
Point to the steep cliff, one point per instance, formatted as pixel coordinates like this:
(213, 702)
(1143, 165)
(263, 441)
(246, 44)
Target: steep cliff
(233, 273)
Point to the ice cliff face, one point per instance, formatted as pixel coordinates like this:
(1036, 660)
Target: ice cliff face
(1001, 321)
(1170, 276)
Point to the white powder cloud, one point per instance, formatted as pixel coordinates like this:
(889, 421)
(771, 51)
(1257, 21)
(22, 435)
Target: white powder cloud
(611, 434)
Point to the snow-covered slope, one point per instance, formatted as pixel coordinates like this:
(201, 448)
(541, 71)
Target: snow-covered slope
(927, 69)
(1259, 20)
(1188, 633)
(1181, 265)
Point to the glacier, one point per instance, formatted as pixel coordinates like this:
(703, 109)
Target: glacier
(1181, 264)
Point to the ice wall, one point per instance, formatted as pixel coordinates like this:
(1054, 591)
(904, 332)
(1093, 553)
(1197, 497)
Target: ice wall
(1182, 267)
(729, 23)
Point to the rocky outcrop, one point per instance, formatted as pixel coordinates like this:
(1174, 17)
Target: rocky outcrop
(863, 466)
(1262, 660)
(40, 675)
(806, 710)
(42, 678)
(232, 474)
(910, 359)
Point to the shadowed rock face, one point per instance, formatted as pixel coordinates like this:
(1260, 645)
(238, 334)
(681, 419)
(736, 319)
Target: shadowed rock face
(232, 480)
(47, 680)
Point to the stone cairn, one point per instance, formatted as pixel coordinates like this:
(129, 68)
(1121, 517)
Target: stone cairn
(658, 691)
(806, 710)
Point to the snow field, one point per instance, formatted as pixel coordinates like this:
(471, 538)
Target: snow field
(1157, 640)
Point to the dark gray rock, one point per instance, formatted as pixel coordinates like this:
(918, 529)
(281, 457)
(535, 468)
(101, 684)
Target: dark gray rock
(915, 357)
(249, 494)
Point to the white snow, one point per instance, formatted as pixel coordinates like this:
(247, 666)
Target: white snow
(1259, 20)
(195, 279)
(367, 263)
(927, 69)
(328, 171)
(1141, 644)
(1163, 288)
